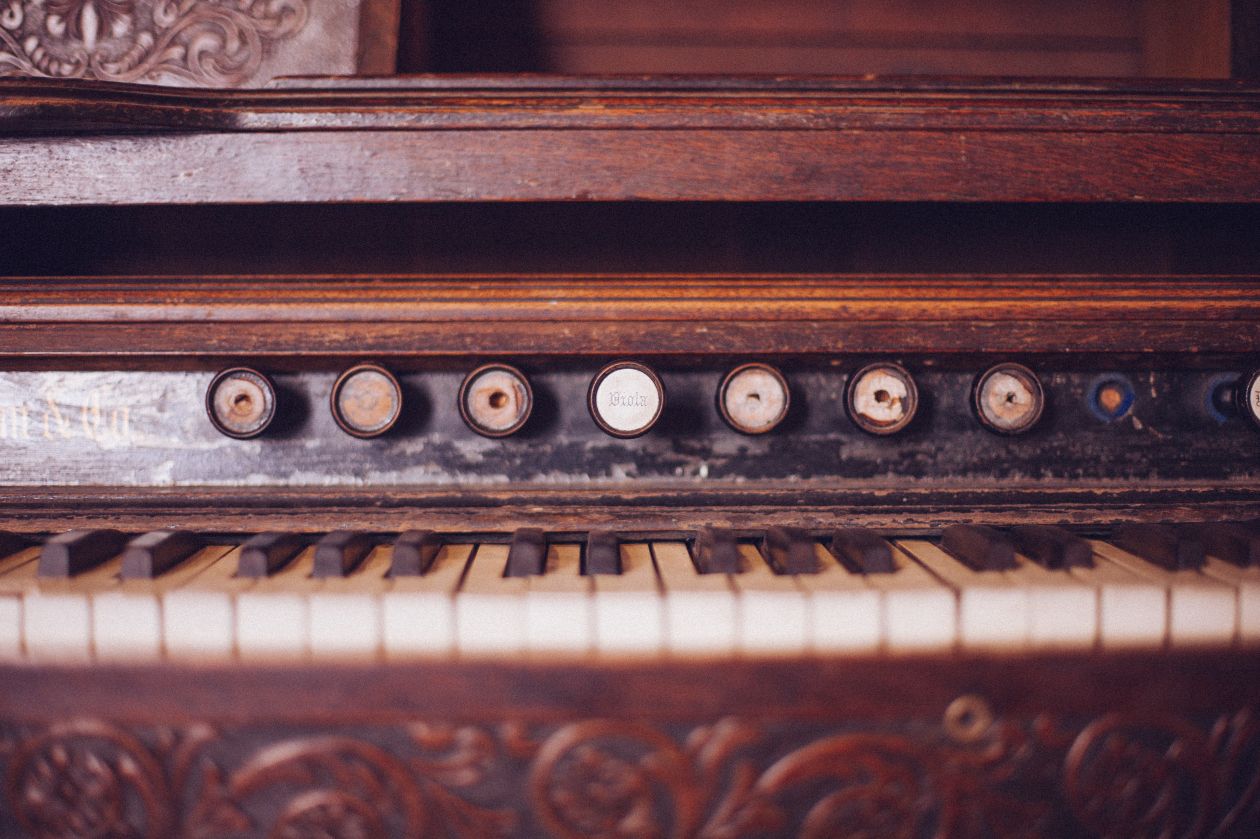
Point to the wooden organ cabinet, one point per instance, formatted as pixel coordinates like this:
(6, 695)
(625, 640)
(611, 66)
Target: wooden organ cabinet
(624, 456)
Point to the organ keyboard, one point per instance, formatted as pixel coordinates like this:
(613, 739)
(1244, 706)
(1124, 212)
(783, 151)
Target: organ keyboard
(209, 604)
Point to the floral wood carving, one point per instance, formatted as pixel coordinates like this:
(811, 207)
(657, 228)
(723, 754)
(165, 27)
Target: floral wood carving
(205, 43)
(1045, 776)
(86, 778)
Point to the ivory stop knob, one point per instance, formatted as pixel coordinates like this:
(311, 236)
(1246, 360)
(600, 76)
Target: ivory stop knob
(882, 398)
(753, 398)
(626, 399)
(1008, 398)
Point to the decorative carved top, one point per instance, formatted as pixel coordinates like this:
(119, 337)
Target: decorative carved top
(205, 43)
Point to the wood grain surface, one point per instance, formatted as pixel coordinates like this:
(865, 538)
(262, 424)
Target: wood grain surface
(660, 508)
(467, 139)
(321, 316)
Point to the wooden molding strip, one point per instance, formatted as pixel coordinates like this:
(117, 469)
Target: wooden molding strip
(658, 509)
(671, 141)
(425, 317)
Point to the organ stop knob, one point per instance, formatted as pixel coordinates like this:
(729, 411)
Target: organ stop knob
(753, 398)
(882, 398)
(626, 399)
(241, 402)
(496, 400)
(366, 400)
(1008, 398)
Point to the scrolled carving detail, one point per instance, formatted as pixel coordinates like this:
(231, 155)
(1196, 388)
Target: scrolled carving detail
(88, 779)
(1236, 748)
(612, 780)
(204, 43)
(978, 773)
(344, 787)
(852, 785)
(328, 813)
(1134, 778)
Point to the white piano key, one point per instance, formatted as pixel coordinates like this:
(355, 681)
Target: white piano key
(17, 574)
(127, 618)
(919, 611)
(418, 613)
(1062, 611)
(272, 616)
(558, 605)
(992, 608)
(345, 612)
(10, 628)
(489, 607)
(772, 612)
(628, 610)
(199, 614)
(700, 612)
(844, 609)
(1132, 611)
(57, 613)
(1201, 609)
(57, 626)
(1246, 585)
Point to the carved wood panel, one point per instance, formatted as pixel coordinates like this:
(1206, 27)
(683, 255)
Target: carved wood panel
(964, 773)
(197, 43)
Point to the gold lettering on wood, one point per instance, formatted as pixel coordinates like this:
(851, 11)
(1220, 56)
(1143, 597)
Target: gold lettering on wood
(63, 414)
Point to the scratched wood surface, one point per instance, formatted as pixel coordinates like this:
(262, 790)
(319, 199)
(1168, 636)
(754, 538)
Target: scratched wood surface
(555, 139)
(664, 509)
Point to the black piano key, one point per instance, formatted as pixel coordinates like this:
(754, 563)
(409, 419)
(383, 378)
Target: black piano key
(78, 550)
(603, 553)
(862, 551)
(527, 555)
(157, 552)
(1053, 547)
(717, 552)
(11, 543)
(1160, 545)
(414, 553)
(789, 550)
(1235, 543)
(339, 552)
(267, 553)
(978, 547)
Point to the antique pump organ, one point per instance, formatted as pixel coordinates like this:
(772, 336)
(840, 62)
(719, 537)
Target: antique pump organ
(617, 455)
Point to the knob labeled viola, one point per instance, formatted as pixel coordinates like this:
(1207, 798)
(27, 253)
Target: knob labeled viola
(241, 402)
(1008, 398)
(882, 398)
(496, 400)
(753, 398)
(366, 400)
(626, 399)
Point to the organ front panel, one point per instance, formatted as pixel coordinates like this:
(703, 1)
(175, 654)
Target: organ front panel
(630, 457)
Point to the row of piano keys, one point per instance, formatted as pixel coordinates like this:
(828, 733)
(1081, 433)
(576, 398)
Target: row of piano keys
(88, 595)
